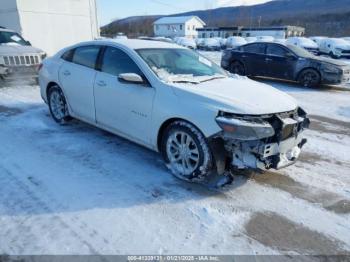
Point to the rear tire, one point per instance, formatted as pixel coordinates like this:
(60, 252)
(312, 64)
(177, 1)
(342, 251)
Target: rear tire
(58, 106)
(237, 68)
(309, 78)
(186, 152)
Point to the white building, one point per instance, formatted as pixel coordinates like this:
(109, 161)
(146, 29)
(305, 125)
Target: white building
(51, 24)
(178, 26)
(278, 32)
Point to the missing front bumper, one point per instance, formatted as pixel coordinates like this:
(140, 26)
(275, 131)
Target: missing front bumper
(268, 156)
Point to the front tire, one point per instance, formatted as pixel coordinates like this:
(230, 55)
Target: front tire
(309, 78)
(332, 55)
(186, 152)
(58, 105)
(237, 68)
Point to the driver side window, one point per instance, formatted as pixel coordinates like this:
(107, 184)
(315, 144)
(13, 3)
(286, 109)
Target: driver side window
(116, 62)
(275, 50)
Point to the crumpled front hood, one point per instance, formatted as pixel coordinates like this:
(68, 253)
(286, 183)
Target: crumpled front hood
(238, 95)
(18, 50)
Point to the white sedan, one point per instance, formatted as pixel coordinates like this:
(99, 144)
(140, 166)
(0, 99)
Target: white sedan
(175, 101)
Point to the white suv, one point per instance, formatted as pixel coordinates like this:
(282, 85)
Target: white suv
(175, 101)
(18, 59)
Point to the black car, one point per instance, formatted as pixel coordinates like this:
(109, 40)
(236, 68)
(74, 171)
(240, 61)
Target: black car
(285, 62)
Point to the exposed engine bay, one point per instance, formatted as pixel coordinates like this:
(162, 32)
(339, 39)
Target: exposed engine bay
(261, 142)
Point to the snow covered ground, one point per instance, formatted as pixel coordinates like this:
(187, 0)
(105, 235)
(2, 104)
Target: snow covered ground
(79, 190)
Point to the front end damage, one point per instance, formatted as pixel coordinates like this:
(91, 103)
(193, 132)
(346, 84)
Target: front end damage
(259, 142)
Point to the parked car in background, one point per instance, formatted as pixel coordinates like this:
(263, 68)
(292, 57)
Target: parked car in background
(212, 44)
(318, 39)
(120, 36)
(280, 41)
(335, 47)
(159, 39)
(18, 59)
(250, 39)
(347, 39)
(265, 39)
(173, 100)
(187, 42)
(222, 42)
(305, 43)
(235, 41)
(200, 43)
(285, 62)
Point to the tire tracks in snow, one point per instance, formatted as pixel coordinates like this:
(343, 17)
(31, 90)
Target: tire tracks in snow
(19, 197)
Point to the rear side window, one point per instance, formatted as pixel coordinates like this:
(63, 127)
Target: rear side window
(68, 55)
(275, 50)
(255, 48)
(116, 62)
(86, 56)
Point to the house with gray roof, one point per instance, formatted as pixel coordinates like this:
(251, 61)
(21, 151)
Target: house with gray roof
(178, 26)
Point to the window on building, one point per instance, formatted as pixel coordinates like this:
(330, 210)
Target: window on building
(168, 27)
(211, 35)
(157, 27)
(204, 35)
(188, 28)
(180, 27)
(86, 56)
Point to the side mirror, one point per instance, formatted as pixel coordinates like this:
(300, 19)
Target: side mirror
(131, 78)
(28, 43)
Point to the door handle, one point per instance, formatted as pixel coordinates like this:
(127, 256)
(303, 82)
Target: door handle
(66, 73)
(101, 83)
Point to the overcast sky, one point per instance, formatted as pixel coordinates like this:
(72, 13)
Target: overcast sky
(109, 10)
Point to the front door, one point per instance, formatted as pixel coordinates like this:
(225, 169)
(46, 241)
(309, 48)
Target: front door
(280, 62)
(123, 106)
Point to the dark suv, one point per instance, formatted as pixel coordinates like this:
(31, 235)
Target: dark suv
(285, 62)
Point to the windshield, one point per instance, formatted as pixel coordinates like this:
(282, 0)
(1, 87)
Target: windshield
(11, 37)
(299, 51)
(180, 65)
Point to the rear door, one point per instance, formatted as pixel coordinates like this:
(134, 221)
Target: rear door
(253, 58)
(77, 76)
(280, 62)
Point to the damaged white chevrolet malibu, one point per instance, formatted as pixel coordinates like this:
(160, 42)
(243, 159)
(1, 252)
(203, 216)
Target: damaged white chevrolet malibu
(175, 101)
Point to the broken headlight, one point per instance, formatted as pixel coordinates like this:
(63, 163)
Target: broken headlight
(245, 128)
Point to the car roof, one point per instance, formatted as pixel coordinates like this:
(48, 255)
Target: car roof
(137, 43)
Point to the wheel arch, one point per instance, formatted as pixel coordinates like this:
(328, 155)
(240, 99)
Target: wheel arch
(50, 85)
(308, 68)
(164, 126)
(239, 61)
